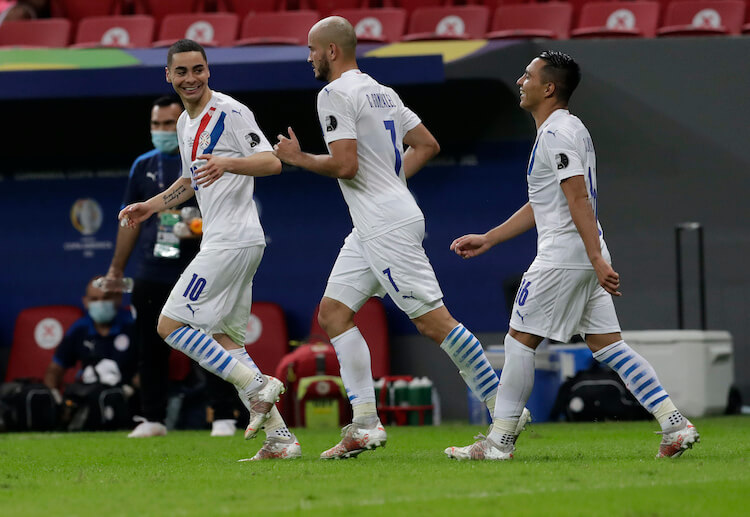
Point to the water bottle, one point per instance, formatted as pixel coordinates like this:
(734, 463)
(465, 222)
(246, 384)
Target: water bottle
(400, 393)
(415, 385)
(121, 285)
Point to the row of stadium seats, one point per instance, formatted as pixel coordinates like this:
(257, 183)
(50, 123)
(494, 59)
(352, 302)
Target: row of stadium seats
(531, 20)
(38, 331)
(75, 10)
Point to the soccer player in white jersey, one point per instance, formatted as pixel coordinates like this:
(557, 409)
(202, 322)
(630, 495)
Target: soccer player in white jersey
(568, 288)
(365, 125)
(222, 150)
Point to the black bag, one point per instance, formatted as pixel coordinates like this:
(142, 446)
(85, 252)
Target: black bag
(96, 407)
(27, 405)
(596, 394)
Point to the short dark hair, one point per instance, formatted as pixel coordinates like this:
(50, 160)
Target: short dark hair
(562, 70)
(166, 100)
(184, 45)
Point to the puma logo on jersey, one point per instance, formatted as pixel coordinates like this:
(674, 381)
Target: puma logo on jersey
(552, 133)
(151, 175)
(522, 316)
(193, 310)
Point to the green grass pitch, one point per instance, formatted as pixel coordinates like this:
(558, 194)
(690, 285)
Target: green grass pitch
(558, 469)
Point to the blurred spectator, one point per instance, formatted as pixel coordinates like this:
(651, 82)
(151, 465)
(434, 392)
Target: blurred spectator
(23, 10)
(101, 343)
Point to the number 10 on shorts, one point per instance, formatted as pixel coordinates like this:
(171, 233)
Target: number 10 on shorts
(194, 288)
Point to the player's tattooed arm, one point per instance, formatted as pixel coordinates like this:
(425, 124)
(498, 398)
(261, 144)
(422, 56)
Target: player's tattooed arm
(174, 195)
(179, 192)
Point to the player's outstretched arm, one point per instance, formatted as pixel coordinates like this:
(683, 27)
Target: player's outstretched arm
(341, 163)
(179, 192)
(258, 164)
(583, 216)
(472, 245)
(422, 148)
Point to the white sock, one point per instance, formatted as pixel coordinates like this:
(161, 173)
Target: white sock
(516, 380)
(356, 372)
(467, 354)
(275, 426)
(639, 377)
(365, 414)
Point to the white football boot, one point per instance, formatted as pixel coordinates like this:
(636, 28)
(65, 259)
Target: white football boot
(223, 427)
(147, 429)
(674, 443)
(278, 449)
(355, 440)
(522, 421)
(260, 405)
(482, 449)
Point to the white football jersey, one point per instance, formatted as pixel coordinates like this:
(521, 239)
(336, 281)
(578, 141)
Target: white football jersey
(225, 127)
(563, 148)
(355, 106)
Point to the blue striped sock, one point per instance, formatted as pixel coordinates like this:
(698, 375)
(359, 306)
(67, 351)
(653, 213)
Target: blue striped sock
(203, 349)
(637, 374)
(468, 355)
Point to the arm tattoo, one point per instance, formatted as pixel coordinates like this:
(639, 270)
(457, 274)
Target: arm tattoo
(173, 196)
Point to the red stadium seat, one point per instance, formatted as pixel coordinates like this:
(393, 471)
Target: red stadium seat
(208, 29)
(37, 333)
(431, 23)
(411, 5)
(618, 20)
(134, 31)
(373, 324)
(327, 7)
(746, 26)
(159, 9)
(279, 28)
(75, 10)
(50, 32)
(550, 20)
(267, 338)
(376, 25)
(577, 6)
(244, 7)
(703, 18)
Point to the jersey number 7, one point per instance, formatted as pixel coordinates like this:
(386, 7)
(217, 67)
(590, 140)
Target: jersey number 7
(391, 128)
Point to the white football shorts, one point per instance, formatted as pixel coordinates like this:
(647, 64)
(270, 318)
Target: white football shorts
(558, 303)
(394, 263)
(215, 291)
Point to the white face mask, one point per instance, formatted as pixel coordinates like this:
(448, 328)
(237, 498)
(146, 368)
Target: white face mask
(102, 311)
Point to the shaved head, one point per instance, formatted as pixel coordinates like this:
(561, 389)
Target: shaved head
(336, 30)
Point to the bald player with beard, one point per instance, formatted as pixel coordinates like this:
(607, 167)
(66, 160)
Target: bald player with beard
(365, 126)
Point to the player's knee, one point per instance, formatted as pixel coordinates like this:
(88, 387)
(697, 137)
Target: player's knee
(166, 326)
(334, 317)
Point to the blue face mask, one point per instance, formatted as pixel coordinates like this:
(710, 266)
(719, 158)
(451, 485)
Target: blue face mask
(165, 141)
(102, 311)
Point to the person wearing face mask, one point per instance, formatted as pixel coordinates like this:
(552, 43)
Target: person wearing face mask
(104, 335)
(160, 258)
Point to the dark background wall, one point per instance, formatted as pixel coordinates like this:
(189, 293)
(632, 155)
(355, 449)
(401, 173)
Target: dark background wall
(667, 118)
